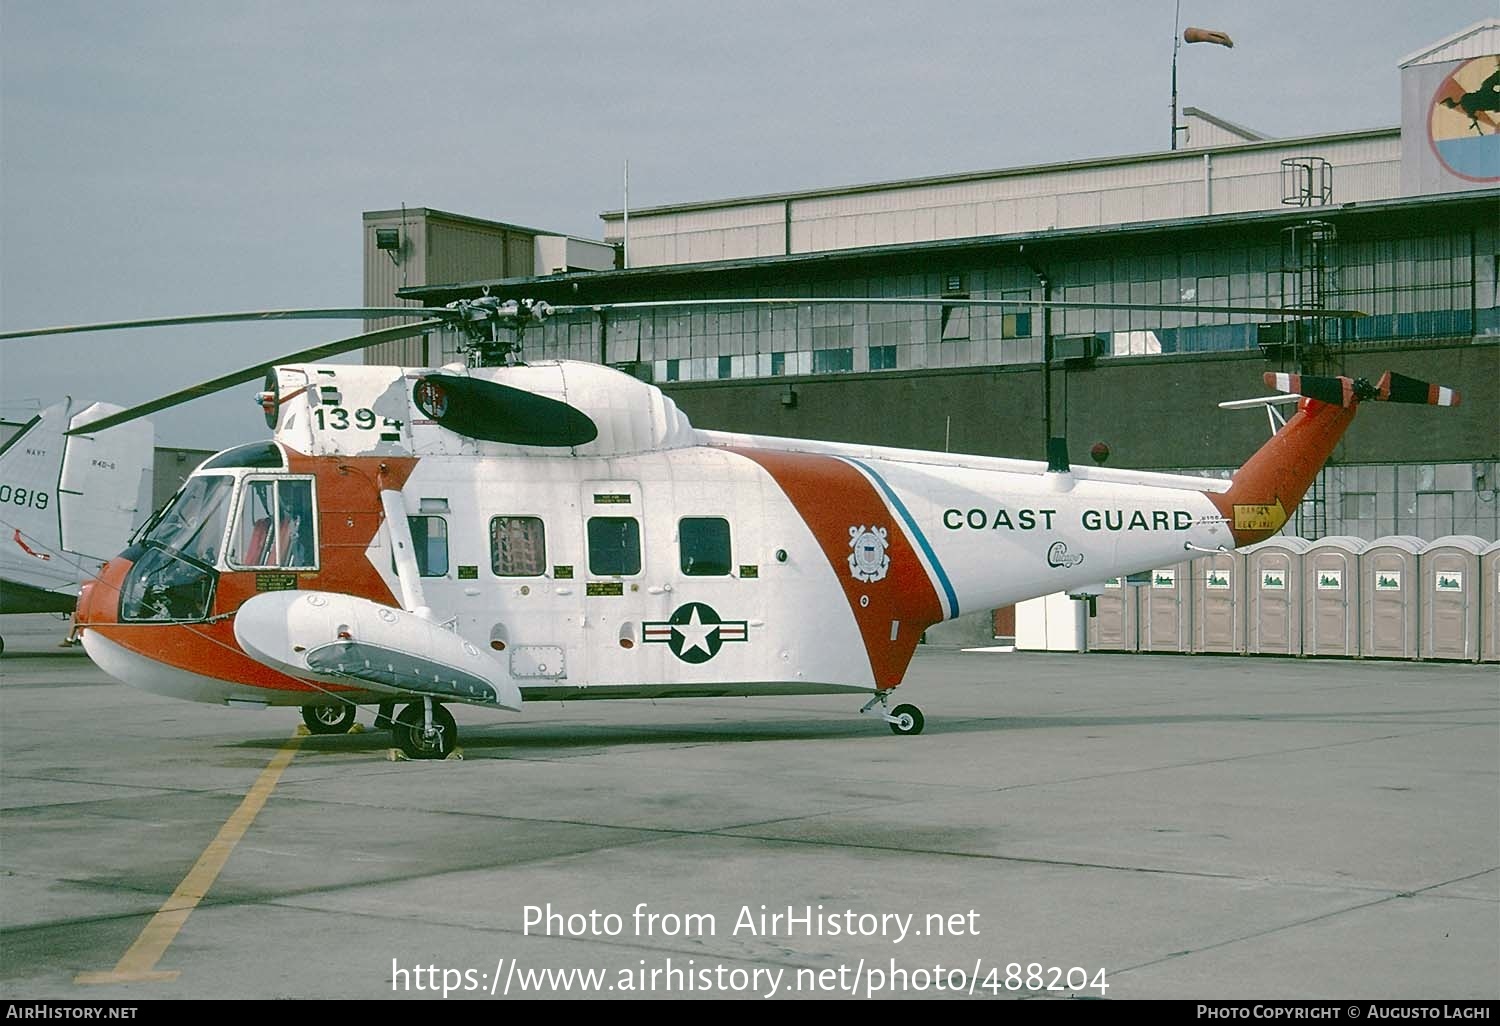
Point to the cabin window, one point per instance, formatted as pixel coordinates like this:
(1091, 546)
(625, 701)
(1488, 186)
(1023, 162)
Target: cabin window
(614, 546)
(703, 546)
(275, 526)
(429, 541)
(518, 546)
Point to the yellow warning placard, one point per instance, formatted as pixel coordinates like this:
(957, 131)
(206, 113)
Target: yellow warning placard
(1259, 517)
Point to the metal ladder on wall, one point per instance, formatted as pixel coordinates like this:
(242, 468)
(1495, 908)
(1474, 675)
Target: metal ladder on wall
(1310, 280)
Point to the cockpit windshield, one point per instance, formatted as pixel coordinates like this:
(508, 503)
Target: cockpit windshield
(193, 522)
(173, 579)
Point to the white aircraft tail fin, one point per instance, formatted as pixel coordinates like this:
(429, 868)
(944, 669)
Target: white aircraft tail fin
(101, 484)
(66, 503)
(31, 554)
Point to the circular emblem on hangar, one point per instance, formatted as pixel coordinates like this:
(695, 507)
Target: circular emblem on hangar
(1464, 121)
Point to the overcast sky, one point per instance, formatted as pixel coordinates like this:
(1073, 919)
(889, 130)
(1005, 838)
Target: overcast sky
(188, 157)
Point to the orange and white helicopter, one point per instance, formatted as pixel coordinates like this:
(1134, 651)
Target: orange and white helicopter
(494, 533)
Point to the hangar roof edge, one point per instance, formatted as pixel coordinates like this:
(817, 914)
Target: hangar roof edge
(369, 216)
(1432, 53)
(442, 291)
(1012, 172)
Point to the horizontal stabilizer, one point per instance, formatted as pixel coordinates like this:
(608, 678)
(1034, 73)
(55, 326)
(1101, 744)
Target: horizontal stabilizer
(1258, 401)
(1345, 391)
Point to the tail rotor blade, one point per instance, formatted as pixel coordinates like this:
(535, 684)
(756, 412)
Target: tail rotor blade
(1338, 391)
(1398, 388)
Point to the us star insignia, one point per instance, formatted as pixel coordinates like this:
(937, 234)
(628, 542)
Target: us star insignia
(695, 633)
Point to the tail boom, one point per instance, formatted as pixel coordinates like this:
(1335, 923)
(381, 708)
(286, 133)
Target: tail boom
(1269, 486)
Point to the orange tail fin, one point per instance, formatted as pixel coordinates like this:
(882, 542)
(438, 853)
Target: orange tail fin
(1268, 487)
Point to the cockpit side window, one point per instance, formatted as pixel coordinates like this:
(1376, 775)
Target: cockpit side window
(276, 526)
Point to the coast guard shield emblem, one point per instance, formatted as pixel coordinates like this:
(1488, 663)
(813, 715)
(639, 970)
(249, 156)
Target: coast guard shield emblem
(868, 561)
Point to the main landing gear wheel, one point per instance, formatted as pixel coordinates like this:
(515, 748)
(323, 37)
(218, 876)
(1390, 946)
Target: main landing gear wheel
(328, 719)
(415, 740)
(908, 720)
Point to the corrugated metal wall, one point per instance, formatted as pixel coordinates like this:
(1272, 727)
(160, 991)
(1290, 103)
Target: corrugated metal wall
(383, 277)
(1416, 278)
(435, 247)
(1184, 184)
(461, 252)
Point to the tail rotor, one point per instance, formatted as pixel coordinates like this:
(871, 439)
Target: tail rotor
(1346, 391)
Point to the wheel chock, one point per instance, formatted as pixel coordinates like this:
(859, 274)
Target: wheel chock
(397, 755)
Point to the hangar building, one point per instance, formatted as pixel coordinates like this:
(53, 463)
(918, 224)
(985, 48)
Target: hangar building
(1402, 224)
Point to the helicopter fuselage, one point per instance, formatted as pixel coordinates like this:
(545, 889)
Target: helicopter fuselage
(672, 562)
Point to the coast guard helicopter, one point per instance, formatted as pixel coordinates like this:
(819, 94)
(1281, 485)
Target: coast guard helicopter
(70, 496)
(495, 532)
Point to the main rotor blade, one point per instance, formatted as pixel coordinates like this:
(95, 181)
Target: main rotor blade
(1076, 304)
(333, 314)
(239, 377)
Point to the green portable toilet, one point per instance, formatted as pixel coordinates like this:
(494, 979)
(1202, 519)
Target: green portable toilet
(1219, 603)
(1330, 596)
(1273, 596)
(1392, 597)
(1112, 628)
(1166, 610)
(1450, 614)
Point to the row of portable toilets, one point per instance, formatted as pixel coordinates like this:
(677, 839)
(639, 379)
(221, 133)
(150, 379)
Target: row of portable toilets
(1396, 598)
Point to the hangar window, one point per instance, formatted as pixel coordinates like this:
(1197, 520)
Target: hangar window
(833, 361)
(1015, 322)
(614, 546)
(955, 323)
(518, 546)
(703, 545)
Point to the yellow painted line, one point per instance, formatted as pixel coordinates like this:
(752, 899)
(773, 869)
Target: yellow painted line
(139, 963)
